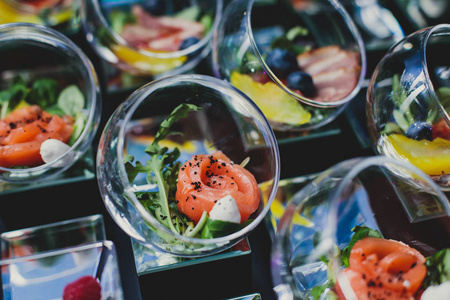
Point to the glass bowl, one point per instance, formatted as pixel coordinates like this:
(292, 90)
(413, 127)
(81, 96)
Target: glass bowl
(408, 100)
(47, 274)
(61, 15)
(375, 197)
(228, 122)
(49, 91)
(151, 38)
(299, 61)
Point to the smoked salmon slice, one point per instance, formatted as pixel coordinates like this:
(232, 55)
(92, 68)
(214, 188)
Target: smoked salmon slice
(205, 179)
(23, 131)
(384, 269)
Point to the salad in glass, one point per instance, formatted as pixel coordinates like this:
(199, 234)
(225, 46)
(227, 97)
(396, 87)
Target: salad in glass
(57, 14)
(151, 38)
(49, 103)
(408, 101)
(366, 228)
(189, 153)
(299, 63)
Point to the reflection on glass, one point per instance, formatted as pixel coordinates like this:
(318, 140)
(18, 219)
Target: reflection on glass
(424, 13)
(378, 26)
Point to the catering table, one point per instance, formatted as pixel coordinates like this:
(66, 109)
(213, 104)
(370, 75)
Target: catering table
(223, 278)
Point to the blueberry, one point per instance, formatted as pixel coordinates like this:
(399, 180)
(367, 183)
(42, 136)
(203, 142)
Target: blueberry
(420, 130)
(155, 7)
(302, 81)
(281, 62)
(186, 43)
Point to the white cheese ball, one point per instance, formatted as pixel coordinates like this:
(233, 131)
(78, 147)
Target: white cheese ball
(434, 292)
(52, 149)
(226, 210)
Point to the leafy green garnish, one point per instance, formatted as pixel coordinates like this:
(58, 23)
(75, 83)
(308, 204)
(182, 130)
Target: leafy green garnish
(287, 41)
(162, 169)
(218, 228)
(317, 292)
(438, 268)
(44, 92)
(71, 100)
(360, 233)
(11, 97)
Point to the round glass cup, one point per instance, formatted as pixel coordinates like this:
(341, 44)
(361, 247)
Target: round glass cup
(408, 101)
(146, 39)
(299, 61)
(377, 193)
(228, 121)
(39, 65)
(56, 14)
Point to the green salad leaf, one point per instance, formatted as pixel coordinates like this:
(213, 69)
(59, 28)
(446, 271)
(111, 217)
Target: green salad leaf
(360, 233)
(438, 268)
(218, 228)
(162, 169)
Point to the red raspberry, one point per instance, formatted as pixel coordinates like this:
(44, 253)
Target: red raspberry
(84, 288)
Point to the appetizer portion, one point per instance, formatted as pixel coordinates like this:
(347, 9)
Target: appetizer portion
(38, 122)
(379, 268)
(159, 28)
(207, 196)
(415, 131)
(322, 74)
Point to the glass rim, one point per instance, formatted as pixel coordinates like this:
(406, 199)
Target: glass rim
(209, 82)
(108, 244)
(94, 90)
(155, 54)
(358, 39)
(440, 29)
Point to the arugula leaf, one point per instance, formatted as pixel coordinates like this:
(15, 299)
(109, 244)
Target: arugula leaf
(438, 268)
(360, 233)
(162, 169)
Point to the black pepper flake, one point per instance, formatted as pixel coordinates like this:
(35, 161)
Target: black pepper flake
(413, 265)
(223, 164)
(197, 185)
(371, 283)
(194, 197)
